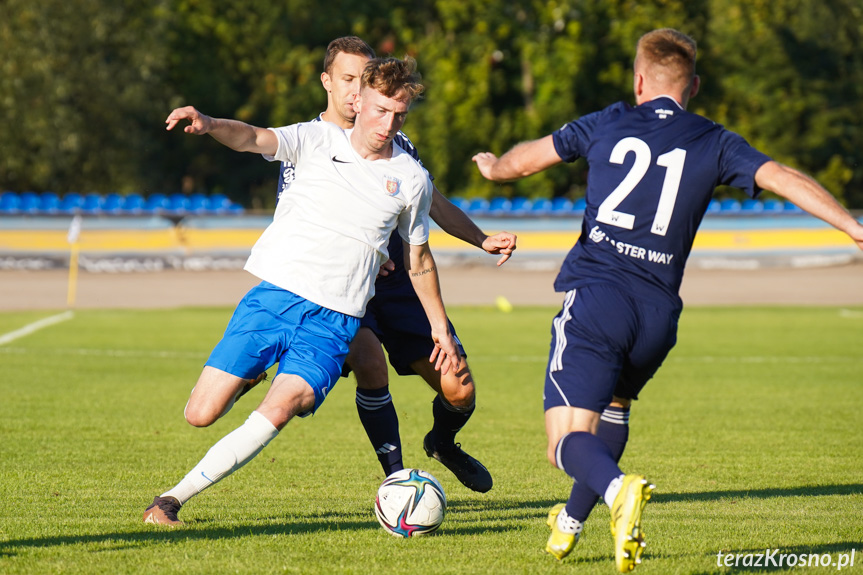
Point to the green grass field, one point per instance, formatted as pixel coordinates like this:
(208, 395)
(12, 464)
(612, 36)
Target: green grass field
(751, 431)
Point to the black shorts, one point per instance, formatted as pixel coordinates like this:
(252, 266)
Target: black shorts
(605, 343)
(399, 321)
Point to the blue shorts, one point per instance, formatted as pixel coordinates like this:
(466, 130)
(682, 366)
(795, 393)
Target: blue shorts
(399, 321)
(272, 325)
(605, 343)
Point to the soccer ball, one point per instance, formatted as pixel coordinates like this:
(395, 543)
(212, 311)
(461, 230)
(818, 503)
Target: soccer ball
(410, 502)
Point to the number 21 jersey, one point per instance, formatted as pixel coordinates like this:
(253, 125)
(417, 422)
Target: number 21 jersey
(652, 170)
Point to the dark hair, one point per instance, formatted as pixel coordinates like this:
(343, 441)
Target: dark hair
(349, 45)
(669, 54)
(389, 76)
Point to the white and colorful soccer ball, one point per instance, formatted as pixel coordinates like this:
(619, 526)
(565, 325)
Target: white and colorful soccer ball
(410, 502)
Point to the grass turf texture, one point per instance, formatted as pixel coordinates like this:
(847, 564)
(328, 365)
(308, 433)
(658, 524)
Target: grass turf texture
(751, 432)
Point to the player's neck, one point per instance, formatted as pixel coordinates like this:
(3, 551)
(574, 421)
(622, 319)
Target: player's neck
(340, 121)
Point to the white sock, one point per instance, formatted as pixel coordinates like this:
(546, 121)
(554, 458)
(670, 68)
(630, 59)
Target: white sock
(567, 524)
(229, 454)
(612, 490)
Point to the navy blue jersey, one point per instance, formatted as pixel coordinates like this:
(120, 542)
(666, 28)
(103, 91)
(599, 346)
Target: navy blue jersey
(398, 278)
(652, 171)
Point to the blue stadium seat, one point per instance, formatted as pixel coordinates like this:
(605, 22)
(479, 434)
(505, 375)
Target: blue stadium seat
(198, 204)
(478, 207)
(751, 206)
(461, 203)
(10, 203)
(133, 204)
(561, 206)
(713, 207)
(791, 209)
(520, 206)
(113, 203)
(541, 207)
(92, 204)
(49, 203)
(499, 206)
(729, 206)
(236, 209)
(71, 203)
(29, 202)
(156, 203)
(579, 205)
(772, 206)
(218, 204)
(178, 204)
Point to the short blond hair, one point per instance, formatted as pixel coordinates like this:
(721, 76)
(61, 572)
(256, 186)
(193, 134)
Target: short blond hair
(389, 76)
(347, 45)
(668, 56)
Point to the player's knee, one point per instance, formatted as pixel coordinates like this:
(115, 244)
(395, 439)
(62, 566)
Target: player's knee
(369, 369)
(460, 397)
(458, 389)
(199, 414)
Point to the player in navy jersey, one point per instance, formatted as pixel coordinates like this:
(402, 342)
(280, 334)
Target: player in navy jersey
(395, 316)
(652, 171)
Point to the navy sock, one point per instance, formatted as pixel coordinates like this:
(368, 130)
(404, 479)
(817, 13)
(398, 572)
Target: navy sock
(448, 420)
(613, 430)
(587, 459)
(381, 422)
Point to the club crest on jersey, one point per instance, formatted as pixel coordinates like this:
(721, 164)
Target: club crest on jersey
(391, 185)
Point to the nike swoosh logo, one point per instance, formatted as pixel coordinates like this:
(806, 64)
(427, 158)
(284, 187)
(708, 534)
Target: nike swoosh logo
(335, 159)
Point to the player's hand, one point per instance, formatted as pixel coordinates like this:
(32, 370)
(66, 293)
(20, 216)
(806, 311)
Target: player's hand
(503, 243)
(857, 235)
(485, 161)
(198, 123)
(445, 354)
(385, 269)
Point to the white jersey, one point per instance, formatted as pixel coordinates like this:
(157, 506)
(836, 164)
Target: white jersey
(329, 234)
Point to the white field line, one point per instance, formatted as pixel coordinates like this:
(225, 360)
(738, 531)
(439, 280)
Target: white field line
(122, 353)
(35, 326)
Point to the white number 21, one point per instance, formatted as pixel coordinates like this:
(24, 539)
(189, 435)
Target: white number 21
(672, 161)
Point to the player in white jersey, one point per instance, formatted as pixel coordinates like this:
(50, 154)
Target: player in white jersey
(318, 261)
(395, 317)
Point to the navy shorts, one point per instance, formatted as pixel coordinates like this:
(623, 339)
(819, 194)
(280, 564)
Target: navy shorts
(272, 325)
(399, 321)
(605, 343)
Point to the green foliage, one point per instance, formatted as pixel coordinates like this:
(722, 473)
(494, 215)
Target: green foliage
(751, 436)
(85, 85)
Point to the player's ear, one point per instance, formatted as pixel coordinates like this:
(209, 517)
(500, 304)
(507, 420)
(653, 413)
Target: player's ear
(696, 84)
(325, 80)
(357, 103)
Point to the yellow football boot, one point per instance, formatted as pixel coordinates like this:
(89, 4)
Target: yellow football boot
(562, 540)
(626, 521)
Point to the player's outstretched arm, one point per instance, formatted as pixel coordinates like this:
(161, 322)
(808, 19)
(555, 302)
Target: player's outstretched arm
(523, 160)
(808, 195)
(422, 271)
(236, 135)
(458, 224)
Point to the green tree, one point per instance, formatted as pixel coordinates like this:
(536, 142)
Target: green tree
(80, 84)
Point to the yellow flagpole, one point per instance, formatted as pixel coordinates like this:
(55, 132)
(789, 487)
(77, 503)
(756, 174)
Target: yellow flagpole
(74, 232)
(73, 275)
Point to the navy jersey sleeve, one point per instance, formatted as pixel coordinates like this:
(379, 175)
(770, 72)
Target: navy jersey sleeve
(288, 171)
(738, 163)
(405, 144)
(571, 141)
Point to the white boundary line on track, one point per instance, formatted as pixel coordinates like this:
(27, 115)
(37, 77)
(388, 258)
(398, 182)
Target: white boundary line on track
(35, 326)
